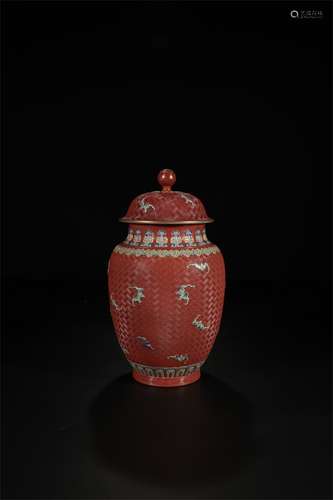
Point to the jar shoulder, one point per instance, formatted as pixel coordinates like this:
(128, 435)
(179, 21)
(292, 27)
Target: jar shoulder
(209, 249)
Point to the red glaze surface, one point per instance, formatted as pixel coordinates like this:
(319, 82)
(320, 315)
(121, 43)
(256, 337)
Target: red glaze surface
(166, 288)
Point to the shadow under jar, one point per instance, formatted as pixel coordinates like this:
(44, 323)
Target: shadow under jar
(166, 287)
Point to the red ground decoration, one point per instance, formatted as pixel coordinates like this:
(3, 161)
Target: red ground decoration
(166, 287)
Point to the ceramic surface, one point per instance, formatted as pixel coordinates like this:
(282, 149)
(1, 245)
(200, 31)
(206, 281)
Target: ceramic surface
(166, 287)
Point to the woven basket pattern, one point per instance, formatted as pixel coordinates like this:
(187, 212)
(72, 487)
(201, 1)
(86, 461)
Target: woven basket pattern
(172, 206)
(166, 311)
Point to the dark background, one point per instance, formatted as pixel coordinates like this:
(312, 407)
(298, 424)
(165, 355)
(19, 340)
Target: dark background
(97, 98)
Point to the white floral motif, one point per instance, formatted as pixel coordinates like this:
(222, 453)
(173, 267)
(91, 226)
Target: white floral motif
(188, 238)
(130, 236)
(137, 237)
(199, 324)
(161, 239)
(198, 237)
(183, 294)
(139, 296)
(176, 239)
(145, 206)
(148, 239)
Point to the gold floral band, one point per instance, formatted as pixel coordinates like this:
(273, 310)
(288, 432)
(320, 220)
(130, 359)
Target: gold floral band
(155, 252)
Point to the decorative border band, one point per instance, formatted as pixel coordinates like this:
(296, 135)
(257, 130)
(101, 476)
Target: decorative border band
(155, 237)
(166, 372)
(148, 252)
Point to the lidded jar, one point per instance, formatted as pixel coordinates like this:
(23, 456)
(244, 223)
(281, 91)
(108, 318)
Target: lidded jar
(166, 286)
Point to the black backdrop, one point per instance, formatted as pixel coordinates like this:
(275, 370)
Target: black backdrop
(97, 98)
(235, 97)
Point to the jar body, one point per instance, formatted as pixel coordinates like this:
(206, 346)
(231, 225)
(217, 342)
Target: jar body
(166, 290)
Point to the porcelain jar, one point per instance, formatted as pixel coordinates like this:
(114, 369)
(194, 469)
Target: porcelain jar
(166, 286)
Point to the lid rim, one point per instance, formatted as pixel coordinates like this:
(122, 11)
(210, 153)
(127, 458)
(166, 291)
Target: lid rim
(166, 222)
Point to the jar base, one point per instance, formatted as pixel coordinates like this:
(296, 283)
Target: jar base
(164, 381)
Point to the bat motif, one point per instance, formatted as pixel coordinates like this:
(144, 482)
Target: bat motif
(183, 293)
(139, 296)
(199, 324)
(145, 206)
(114, 303)
(187, 199)
(202, 266)
(179, 357)
(145, 342)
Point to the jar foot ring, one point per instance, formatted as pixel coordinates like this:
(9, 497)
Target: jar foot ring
(166, 381)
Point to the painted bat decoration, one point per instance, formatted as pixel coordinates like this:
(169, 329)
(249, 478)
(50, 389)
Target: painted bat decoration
(201, 266)
(145, 206)
(145, 342)
(179, 357)
(199, 324)
(139, 296)
(183, 294)
(114, 303)
(187, 199)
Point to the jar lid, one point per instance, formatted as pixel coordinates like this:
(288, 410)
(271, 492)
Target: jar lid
(166, 206)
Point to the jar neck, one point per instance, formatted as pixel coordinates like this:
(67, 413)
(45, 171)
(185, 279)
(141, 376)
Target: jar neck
(165, 236)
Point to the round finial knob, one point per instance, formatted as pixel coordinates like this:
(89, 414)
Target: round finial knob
(166, 179)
